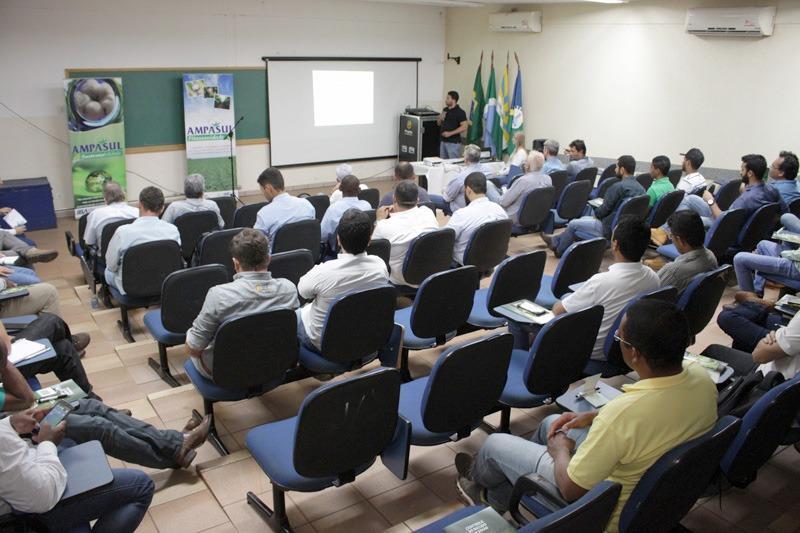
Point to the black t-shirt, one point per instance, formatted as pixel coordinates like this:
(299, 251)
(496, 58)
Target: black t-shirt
(452, 120)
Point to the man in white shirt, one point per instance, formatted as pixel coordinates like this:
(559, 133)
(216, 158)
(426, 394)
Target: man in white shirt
(692, 179)
(478, 212)
(625, 279)
(453, 193)
(193, 187)
(349, 189)
(352, 270)
(512, 199)
(115, 209)
(400, 223)
(282, 208)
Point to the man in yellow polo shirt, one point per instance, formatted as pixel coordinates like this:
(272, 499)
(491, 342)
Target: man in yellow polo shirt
(673, 402)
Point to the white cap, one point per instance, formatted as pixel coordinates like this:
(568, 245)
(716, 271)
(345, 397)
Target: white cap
(343, 170)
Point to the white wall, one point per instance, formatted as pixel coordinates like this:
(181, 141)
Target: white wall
(629, 79)
(40, 38)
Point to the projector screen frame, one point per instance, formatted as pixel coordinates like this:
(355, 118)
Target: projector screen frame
(267, 59)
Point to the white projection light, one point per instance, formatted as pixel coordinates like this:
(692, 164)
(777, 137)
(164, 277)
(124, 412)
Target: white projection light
(343, 97)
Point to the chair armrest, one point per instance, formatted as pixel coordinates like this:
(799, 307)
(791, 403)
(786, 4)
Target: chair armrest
(535, 485)
(70, 242)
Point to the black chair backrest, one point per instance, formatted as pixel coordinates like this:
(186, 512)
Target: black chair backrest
(573, 199)
(428, 254)
(291, 265)
(255, 350)
(372, 214)
(580, 262)
(444, 302)
(488, 245)
(727, 193)
(373, 196)
(518, 277)
(559, 180)
(82, 230)
(108, 232)
(245, 216)
(759, 227)
(674, 176)
(298, 235)
(451, 402)
(346, 424)
(605, 185)
(589, 514)
(700, 299)
(373, 311)
(536, 206)
(794, 207)
(561, 350)
(191, 227)
(609, 172)
(146, 266)
(321, 203)
(215, 248)
(227, 207)
(183, 294)
(637, 206)
(645, 180)
(588, 174)
(665, 206)
(725, 231)
(382, 248)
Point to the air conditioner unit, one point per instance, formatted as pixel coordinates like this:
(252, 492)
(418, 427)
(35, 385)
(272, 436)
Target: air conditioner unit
(526, 22)
(743, 21)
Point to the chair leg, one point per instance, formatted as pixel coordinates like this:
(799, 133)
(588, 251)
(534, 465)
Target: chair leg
(162, 366)
(277, 519)
(505, 420)
(125, 324)
(405, 374)
(213, 436)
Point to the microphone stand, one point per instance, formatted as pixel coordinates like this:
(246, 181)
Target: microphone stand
(233, 167)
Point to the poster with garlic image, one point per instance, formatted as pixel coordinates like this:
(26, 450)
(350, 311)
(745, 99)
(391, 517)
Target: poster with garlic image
(96, 127)
(208, 118)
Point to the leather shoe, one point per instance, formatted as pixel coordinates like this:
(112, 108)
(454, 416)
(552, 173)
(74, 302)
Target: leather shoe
(80, 341)
(746, 296)
(37, 255)
(192, 440)
(548, 239)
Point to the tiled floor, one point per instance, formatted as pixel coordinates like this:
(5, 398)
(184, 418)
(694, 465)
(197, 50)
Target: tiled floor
(210, 496)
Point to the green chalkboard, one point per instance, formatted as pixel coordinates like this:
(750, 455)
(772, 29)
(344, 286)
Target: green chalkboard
(153, 102)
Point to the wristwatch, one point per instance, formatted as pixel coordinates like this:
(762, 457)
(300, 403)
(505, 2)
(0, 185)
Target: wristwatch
(710, 201)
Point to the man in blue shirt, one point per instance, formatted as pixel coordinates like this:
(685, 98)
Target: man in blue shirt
(350, 188)
(577, 158)
(551, 161)
(782, 176)
(453, 192)
(282, 208)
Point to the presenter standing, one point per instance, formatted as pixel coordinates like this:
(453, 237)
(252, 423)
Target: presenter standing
(452, 123)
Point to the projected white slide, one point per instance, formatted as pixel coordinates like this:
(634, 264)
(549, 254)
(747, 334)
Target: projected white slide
(342, 98)
(336, 110)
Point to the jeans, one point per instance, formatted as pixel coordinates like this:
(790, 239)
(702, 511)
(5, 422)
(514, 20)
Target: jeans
(504, 458)
(450, 150)
(587, 224)
(23, 276)
(695, 203)
(439, 203)
(747, 324)
(67, 363)
(122, 436)
(118, 507)
(750, 267)
(302, 335)
(790, 222)
(523, 333)
(741, 362)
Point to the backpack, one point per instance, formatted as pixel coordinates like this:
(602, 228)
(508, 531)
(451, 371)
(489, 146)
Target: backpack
(744, 391)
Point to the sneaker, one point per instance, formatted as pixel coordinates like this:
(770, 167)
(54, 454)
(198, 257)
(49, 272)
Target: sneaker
(464, 462)
(470, 492)
(36, 255)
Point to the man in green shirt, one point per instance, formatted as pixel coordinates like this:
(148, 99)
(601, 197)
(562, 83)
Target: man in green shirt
(661, 184)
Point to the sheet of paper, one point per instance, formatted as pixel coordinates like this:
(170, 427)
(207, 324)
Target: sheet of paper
(23, 349)
(8, 259)
(14, 219)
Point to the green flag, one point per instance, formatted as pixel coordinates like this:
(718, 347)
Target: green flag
(475, 131)
(492, 123)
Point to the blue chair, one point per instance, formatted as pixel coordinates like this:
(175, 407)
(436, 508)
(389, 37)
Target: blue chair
(637, 206)
(321, 203)
(447, 403)
(534, 211)
(603, 186)
(665, 206)
(442, 305)
(588, 514)
(245, 216)
(191, 227)
(559, 181)
(517, 278)
(580, 262)
(727, 193)
(555, 360)
(227, 207)
(645, 180)
(77, 246)
(291, 265)
(342, 351)
(488, 245)
(699, 300)
(96, 259)
(303, 234)
(215, 248)
(429, 253)
(371, 195)
(252, 355)
(144, 269)
(719, 237)
(570, 204)
(589, 174)
(14, 324)
(340, 430)
(182, 296)
(758, 227)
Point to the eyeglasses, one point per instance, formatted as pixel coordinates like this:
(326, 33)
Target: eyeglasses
(621, 340)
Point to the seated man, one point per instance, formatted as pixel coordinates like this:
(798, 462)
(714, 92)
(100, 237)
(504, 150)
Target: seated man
(454, 190)
(253, 290)
(688, 236)
(400, 224)
(672, 403)
(691, 180)
(27, 254)
(349, 189)
(782, 174)
(193, 187)
(405, 171)
(769, 258)
(341, 171)
(147, 228)
(551, 161)
(599, 225)
(282, 208)
(511, 200)
(577, 159)
(352, 270)
(41, 298)
(18, 275)
(478, 212)
(116, 208)
(661, 184)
